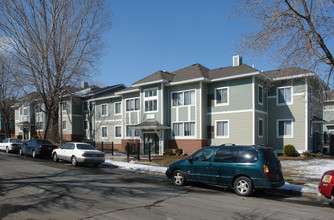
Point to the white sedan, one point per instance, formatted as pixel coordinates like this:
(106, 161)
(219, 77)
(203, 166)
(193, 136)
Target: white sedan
(78, 153)
(10, 145)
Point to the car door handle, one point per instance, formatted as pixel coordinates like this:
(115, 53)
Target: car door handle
(211, 165)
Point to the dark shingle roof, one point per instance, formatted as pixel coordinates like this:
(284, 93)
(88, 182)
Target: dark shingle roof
(159, 75)
(231, 71)
(290, 71)
(191, 72)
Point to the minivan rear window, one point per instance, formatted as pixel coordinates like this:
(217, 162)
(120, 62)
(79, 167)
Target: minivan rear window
(248, 155)
(270, 156)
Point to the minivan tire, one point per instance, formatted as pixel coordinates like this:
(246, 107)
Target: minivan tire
(243, 186)
(178, 178)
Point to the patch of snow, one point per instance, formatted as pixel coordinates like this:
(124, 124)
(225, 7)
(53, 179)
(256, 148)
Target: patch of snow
(132, 165)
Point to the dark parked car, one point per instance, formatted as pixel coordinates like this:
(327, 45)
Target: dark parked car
(37, 147)
(326, 184)
(243, 168)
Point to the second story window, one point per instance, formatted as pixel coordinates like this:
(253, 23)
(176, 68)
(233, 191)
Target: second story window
(151, 100)
(118, 108)
(222, 96)
(183, 98)
(284, 95)
(104, 110)
(260, 100)
(132, 104)
(25, 111)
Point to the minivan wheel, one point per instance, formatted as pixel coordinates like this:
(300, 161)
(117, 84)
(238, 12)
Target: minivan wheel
(178, 178)
(243, 186)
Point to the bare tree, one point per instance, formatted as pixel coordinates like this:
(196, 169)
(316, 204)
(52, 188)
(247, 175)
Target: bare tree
(294, 32)
(8, 92)
(57, 43)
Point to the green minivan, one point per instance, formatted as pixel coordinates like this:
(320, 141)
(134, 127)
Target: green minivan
(243, 168)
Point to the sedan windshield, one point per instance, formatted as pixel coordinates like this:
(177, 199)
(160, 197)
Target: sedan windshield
(85, 147)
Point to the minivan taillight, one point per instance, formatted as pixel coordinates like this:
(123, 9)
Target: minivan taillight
(266, 171)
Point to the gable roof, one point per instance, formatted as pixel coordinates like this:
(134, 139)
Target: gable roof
(191, 72)
(157, 76)
(290, 72)
(231, 71)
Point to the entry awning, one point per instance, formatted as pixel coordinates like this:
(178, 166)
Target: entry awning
(24, 124)
(154, 125)
(317, 120)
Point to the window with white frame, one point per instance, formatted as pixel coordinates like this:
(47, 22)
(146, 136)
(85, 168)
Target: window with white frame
(222, 96)
(64, 125)
(133, 104)
(184, 129)
(118, 108)
(222, 129)
(118, 131)
(260, 95)
(284, 95)
(104, 132)
(284, 128)
(25, 111)
(151, 100)
(104, 109)
(260, 128)
(131, 132)
(85, 106)
(183, 98)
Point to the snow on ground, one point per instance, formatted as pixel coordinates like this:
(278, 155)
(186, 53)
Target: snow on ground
(308, 169)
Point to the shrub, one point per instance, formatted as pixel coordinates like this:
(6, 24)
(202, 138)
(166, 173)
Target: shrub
(178, 151)
(289, 150)
(168, 152)
(306, 154)
(319, 154)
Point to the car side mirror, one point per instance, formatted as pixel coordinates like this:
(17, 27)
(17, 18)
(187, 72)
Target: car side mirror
(190, 159)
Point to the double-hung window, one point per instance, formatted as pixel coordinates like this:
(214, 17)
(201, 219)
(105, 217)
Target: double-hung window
(222, 96)
(64, 125)
(284, 128)
(118, 131)
(132, 104)
(260, 95)
(284, 95)
(222, 129)
(184, 129)
(118, 108)
(183, 98)
(104, 110)
(151, 100)
(260, 129)
(104, 132)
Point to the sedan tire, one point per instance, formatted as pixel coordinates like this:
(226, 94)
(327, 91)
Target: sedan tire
(243, 186)
(21, 152)
(178, 178)
(34, 155)
(7, 150)
(55, 158)
(74, 161)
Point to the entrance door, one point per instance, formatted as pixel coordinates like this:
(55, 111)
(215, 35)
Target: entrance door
(152, 140)
(25, 134)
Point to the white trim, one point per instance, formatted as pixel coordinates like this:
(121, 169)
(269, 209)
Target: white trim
(230, 112)
(189, 81)
(258, 94)
(306, 117)
(235, 77)
(253, 110)
(299, 94)
(121, 132)
(162, 103)
(115, 108)
(151, 82)
(151, 98)
(102, 132)
(102, 110)
(128, 91)
(261, 112)
(277, 128)
(228, 96)
(328, 110)
(103, 98)
(277, 96)
(111, 120)
(200, 109)
(293, 77)
(258, 128)
(228, 129)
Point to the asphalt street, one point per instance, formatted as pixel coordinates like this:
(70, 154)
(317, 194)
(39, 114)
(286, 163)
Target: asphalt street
(41, 189)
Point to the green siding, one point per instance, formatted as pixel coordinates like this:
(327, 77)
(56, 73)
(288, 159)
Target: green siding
(183, 114)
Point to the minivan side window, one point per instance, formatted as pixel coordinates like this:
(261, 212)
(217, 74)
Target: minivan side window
(248, 155)
(226, 155)
(204, 155)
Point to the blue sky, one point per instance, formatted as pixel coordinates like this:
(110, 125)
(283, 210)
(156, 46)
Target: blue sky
(151, 35)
